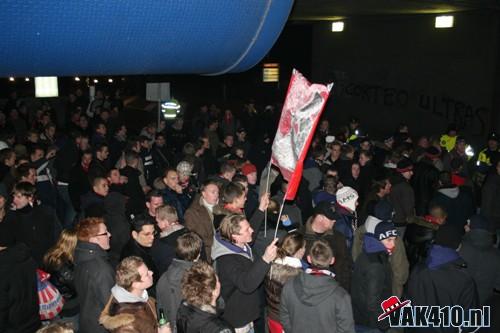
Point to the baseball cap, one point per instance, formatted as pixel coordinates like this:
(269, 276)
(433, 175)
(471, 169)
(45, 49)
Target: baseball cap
(327, 209)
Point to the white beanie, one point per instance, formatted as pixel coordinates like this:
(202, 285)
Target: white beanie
(347, 197)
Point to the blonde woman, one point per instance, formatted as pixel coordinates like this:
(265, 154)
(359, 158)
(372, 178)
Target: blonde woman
(287, 265)
(58, 262)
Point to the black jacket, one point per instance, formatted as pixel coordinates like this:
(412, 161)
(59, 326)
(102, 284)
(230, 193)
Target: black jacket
(18, 291)
(240, 274)
(418, 239)
(63, 278)
(442, 280)
(163, 250)
(343, 259)
(132, 248)
(133, 190)
(458, 204)
(424, 181)
(37, 227)
(94, 278)
(371, 283)
(191, 319)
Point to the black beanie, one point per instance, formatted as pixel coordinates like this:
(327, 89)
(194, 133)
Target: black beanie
(448, 236)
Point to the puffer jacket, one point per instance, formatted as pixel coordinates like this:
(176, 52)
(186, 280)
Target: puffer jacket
(281, 271)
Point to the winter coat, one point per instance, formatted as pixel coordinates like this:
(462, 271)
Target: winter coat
(346, 225)
(94, 278)
(179, 201)
(132, 248)
(315, 303)
(398, 259)
(418, 239)
(281, 271)
(489, 200)
(163, 250)
(133, 190)
(443, 280)
(168, 289)
(312, 173)
(37, 227)
(343, 260)
(457, 203)
(192, 319)
(63, 278)
(371, 283)
(117, 223)
(240, 275)
(129, 317)
(200, 220)
(78, 185)
(424, 181)
(483, 262)
(402, 198)
(18, 291)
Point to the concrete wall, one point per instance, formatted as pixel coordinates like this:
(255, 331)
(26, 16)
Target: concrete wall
(391, 69)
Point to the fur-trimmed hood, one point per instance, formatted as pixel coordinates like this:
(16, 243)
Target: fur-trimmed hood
(127, 317)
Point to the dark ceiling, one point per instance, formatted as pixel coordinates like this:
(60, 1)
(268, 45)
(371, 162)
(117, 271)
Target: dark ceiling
(313, 10)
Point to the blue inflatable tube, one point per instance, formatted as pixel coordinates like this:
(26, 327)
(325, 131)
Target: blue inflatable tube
(115, 37)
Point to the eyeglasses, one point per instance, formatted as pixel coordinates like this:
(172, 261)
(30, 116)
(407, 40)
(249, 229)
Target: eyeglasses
(103, 234)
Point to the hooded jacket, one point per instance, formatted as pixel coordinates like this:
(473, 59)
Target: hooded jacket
(18, 291)
(168, 289)
(240, 275)
(125, 313)
(315, 303)
(371, 283)
(281, 271)
(94, 278)
(483, 262)
(442, 280)
(398, 259)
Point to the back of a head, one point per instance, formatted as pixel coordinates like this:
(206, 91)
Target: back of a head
(321, 254)
(87, 228)
(445, 179)
(188, 246)
(232, 191)
(198, 284)
(291, 244)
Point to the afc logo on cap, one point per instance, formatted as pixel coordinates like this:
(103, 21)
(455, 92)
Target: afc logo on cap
(387, 234)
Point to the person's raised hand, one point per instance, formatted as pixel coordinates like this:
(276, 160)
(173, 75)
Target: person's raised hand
(271, 252)
(264, 202)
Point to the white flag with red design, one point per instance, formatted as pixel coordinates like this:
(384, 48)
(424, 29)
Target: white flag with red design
(300, 115)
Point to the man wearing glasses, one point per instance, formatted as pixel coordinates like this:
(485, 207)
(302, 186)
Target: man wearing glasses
(94, 276)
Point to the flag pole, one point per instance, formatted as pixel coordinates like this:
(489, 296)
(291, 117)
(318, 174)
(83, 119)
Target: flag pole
(266, 191)
(279, 216)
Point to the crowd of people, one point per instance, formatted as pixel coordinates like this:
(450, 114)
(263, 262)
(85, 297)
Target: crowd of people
(172, 229)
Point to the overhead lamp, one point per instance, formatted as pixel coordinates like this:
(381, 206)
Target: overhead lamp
(27, 79)
(11, 79)
(444, 21)
(110, 80)
(77, 79)
(337, 26)
(46, 86)
(96, 81)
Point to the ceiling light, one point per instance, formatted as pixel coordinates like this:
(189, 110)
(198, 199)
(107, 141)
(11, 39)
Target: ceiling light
(11, 79)
(96, 81)
(338, 26)
(110, 80)
(77, 78)
(27, 79)
(445, 21)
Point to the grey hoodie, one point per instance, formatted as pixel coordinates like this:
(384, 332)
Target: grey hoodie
(315, 303)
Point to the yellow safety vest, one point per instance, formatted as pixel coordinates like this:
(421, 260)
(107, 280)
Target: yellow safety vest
(448, 142)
